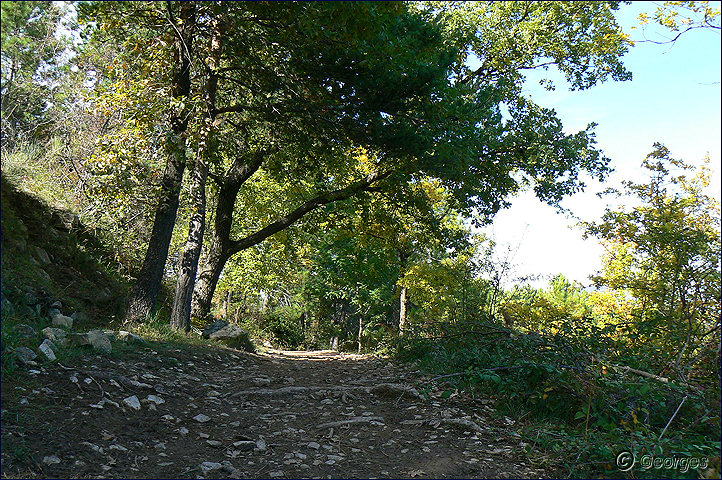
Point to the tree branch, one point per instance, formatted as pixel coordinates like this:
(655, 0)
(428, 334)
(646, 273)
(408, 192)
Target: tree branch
(287, 220)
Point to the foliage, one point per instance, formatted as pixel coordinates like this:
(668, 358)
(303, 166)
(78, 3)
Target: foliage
(682, 16)
(31, 52)
(581, 411)
(665, 253)
(563, 305)
(400, 88)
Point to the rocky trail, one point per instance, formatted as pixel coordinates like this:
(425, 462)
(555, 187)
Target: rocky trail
(215, 412)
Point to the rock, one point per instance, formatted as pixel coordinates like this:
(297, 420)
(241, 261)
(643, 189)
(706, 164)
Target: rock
(314, 445)
(109, 402)
(183, 431)
(103, 296)
(56, 304)
(93, 447)
(31, 298)
(154, 399)
(208, 467)
(51, 460)
(56, 335)
(67, 221)
(245, 445)
(201, 418)
(79, 316)
(40, 255)
(214, 443)
(62, 321)
(230, 331)
(25, 355)
(23, 330)
(262, 382)
(214, 327)
(78, 338)
(99, 341)
(7, 306)
(132, 402)
(45, 276)
(261, 444)
(128, 337)
(47, 348)
(21, 244)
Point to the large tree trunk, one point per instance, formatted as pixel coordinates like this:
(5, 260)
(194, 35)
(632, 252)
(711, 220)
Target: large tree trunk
(208, 280)
(217, 255)
(144, 294)
(219, 251)
(181, 313)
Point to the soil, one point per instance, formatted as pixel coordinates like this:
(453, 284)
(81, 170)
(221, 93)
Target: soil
(268, 416)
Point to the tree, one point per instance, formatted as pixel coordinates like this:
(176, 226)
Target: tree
(302, 85)
(30, 53)
(180, 312)
(665, 253)
(168, 30)
(427, 113)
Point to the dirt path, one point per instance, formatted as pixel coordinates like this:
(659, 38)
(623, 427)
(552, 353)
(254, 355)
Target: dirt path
(274, 415)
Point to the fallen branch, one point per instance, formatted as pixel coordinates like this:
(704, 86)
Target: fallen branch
(502, 368)
(641, 372)
(670, 420)
(471, 332)
(350, 421)
(393, 389)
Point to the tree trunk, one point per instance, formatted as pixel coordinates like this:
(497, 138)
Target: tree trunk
(180, 318)
(181, 313)
(219, 251)
(402, 310)
(208, 280)
(360, 331)
(404, 256)
(144, 294)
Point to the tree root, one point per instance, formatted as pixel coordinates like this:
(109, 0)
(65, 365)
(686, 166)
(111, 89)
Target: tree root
(382, 390)
(464, 423)
(350, 421)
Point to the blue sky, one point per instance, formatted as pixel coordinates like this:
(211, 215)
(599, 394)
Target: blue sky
(674, 98)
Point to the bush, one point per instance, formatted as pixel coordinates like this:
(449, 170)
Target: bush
(286, 330)
(585, 407)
